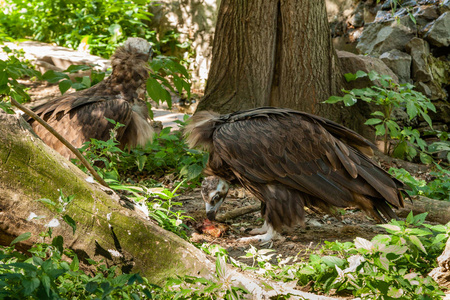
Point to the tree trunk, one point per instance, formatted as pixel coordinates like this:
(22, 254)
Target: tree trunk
(107, 227)
(273, 53)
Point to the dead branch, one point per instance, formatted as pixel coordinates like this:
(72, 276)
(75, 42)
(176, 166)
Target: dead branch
(238, 212)
(62, 140)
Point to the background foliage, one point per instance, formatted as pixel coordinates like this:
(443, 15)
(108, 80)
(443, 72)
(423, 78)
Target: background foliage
(102, 24)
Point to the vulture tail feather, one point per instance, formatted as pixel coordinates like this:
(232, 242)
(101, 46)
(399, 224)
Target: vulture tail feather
(200, 129)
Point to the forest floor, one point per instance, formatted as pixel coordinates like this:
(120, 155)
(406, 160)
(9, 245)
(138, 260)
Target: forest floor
(298, 241)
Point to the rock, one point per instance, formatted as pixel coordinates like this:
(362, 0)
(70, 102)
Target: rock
(423, 88)
(399, 62)
(401, 116)
(351, 63)
(388, 5)
(439, 33)
(383, 15)
(419, 51)
(432, 90)
(381, 37)
(358, 18)
(445, 6)
(442, 112)
(426, 14)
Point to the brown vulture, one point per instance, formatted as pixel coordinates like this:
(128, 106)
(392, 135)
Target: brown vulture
(80, 116)
(288, 160)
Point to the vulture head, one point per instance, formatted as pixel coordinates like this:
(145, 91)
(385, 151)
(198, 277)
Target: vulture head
(290, 160)
(83, 115)
(214, 192)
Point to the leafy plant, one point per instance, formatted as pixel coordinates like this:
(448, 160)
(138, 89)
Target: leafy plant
(12, 69)
(158, 85)
(388, 96)
(81, 83)
(393, 265)
(100, 25)
(437, 188)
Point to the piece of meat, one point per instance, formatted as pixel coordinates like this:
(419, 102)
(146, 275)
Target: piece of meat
(211, 228)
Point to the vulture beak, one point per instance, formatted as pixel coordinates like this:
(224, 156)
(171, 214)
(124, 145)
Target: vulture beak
(214, 192)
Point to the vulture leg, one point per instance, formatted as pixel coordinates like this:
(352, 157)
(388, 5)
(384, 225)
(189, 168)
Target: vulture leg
(263, 238)
(261, 230)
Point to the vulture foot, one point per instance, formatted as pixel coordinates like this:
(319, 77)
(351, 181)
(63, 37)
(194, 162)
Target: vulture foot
(262, 238)
(261, 230)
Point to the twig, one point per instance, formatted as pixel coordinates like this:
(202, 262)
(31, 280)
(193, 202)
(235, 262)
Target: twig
(238, 212)
(61, 139)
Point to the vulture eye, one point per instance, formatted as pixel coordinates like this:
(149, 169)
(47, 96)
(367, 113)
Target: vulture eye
(215, 198)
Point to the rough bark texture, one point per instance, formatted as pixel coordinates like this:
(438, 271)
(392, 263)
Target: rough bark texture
(29, 170)
(273, 53)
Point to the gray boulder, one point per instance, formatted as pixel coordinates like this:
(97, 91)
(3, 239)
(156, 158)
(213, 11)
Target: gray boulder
(439, 33)
(351, 63)
(400, 63)
(381, 37)
(426, 14)
(419, 51)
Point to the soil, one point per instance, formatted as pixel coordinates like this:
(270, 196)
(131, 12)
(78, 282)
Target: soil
(298, 241)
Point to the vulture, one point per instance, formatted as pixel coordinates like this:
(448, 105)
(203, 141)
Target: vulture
(80, 116)
(288, 160)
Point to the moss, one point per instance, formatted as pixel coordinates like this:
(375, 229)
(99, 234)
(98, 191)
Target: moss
(29, 169)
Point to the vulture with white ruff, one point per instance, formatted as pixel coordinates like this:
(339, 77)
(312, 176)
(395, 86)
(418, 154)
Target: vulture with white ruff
(80, 116)
(288, 160)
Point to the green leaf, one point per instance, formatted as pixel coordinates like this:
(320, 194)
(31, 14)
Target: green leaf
(155, 90)
(54, 77)
(331, 261)
(30, 285)
(360, 74)
(140, 162)
(58, 242)
(194, 171)
(373, 121)
(349, 100)
(333, 99)
(64, 85)
(350, 77)
(86, 81)
(46, 283)
(380, 129)
(3, 78)
(74, 266)
(415, 240)
(76, 68)
(20, 238)
(71, 222)
(425, 158)
(427, 119)
(378, 113)
(411, 109)
(391, 228)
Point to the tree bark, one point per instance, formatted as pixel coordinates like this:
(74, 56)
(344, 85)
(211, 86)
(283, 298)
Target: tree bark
(107, 227)
(273, 53)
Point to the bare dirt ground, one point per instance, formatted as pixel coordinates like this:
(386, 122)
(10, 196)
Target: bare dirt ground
(345, 226)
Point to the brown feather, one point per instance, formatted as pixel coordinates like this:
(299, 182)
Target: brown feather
(80, 116)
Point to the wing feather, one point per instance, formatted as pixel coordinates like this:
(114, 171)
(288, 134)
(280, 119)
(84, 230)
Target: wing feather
(298, 151)
(80, 124)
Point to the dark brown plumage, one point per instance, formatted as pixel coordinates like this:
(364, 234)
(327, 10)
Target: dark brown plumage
(80, 116)
(288, 160)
